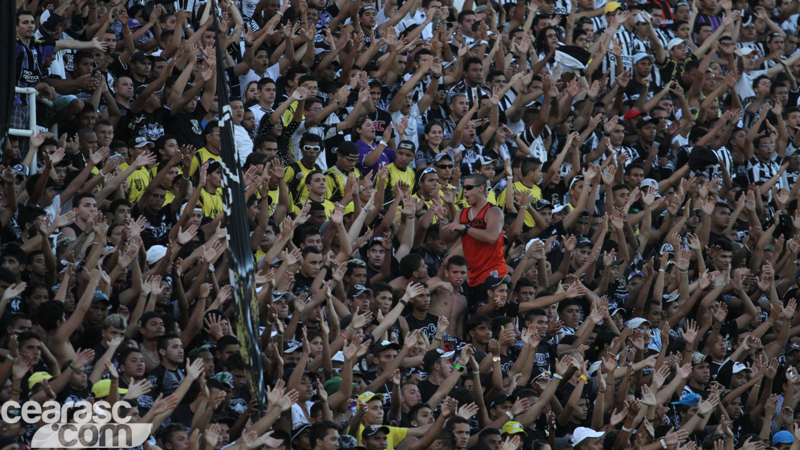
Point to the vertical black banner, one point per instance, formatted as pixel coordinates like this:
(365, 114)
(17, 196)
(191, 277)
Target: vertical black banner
(242, 264)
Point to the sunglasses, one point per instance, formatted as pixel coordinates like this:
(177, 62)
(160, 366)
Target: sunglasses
(445, 166)
(469, 187)
(312, 148)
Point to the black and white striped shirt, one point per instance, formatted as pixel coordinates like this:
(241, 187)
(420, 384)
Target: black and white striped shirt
(627, 51)
(759, 172)
(563, 7)
(474, 94)
(725, 158)
(788, 179)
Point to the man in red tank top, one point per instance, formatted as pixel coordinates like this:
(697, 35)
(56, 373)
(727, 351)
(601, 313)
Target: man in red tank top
(481, 229)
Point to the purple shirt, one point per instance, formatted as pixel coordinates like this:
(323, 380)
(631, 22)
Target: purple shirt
(386, 158)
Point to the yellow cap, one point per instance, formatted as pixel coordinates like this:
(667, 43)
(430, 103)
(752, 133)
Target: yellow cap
(514, 428)
(37, 377)
(102, 388)
(611, 7)
(369, 396)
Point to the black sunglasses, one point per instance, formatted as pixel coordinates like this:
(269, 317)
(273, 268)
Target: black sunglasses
(445, 166)
(469, 187)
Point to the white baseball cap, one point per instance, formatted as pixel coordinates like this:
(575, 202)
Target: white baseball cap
(582, 433)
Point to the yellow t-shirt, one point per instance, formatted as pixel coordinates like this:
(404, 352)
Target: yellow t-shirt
(168, 195)
(137, 183)
(335, 181)
(200, 158)
(273, 202)
(396, 175)
(428, 204)
(211, 203)
(536, 195)
(296, 182)
(286, 119)
(396, 434)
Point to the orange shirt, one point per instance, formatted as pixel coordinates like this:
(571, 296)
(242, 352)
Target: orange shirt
(482, 258)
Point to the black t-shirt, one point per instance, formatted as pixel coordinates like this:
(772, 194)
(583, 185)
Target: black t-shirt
(70, 394)
(427, 325)
(149, 125)
(188, 127)
(302, 283)
(159, 224)
(183, 415)
(426, 390)
(237, 405)
(165, 381)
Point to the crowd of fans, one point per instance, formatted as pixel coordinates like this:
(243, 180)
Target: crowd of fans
(489, 225)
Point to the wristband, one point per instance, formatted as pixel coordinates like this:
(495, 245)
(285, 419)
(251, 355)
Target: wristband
(496, 359)
(466, 228)
(510, 416)
(72, 367)
(663, 443)
(351, 330)
(627, 430)
(405, 303)
(458, 367)
(345, 336)
(701, 415)
(10, 358)
(584, 378)
(558, 376)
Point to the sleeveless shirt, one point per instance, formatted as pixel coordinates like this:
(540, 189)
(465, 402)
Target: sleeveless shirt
(482, 258)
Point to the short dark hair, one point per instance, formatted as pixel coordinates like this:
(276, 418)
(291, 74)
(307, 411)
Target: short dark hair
(456, 260)
(78, 198)
(319, 430)
(312, 173)
(163, 341)
(410, 264)
(470, 61)
(49, 314)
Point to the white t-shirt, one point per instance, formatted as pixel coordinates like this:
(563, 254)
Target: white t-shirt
(414, 119)
(244, 144)
(273, 72)
(744, 86)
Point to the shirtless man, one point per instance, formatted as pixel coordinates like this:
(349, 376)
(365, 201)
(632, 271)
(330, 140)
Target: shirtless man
(413, 268)
(60, 330)
(451, 303)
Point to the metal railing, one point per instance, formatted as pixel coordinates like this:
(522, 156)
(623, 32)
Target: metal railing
(32, 127)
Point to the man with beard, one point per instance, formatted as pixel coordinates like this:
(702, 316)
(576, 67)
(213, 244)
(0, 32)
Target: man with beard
(151, 327)
(442, 374)
(166, 378)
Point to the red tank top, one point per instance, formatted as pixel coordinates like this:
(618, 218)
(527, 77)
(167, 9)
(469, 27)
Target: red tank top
(482, 258)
